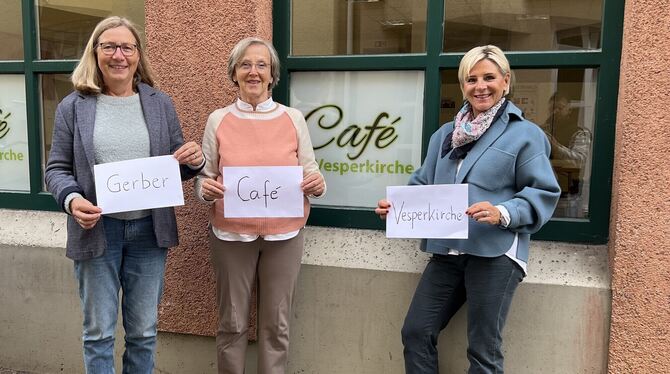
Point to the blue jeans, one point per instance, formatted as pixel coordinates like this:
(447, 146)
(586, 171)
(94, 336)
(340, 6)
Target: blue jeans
(488, 284)
(134, 263)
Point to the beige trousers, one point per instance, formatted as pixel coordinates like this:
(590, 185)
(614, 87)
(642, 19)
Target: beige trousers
(276, 265)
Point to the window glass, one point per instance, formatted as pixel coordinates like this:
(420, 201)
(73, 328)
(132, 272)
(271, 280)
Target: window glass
(14, 165)
(562, 103)
(366, 129)
(64, 26)
(352, 27)
(53, 87)
(11, 31)
(521, 25)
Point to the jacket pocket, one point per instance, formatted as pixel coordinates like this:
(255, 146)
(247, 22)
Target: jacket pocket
(494, 170)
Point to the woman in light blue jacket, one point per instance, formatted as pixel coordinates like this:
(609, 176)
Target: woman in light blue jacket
(512, 192)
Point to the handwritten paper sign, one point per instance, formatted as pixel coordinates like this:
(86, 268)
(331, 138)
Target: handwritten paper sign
(262, 191)
(434, 211)
(142, 183)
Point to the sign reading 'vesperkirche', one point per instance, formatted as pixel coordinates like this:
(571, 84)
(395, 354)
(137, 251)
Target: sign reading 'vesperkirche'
(366, 129)
(14, 169)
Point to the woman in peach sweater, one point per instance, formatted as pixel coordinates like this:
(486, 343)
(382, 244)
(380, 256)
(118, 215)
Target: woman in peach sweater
(255, 131)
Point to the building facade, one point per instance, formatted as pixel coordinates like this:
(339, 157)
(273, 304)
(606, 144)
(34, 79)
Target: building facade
(374, 80)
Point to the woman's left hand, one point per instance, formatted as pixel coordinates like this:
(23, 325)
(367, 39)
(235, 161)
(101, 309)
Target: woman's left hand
(189, 154)
(313, 184)
(484, 212)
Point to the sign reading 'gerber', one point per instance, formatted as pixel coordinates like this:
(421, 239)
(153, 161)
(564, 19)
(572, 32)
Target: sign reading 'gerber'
(143, 183)
(366, 130)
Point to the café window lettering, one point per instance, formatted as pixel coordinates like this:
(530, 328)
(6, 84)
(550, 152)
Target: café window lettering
(14, 169)
(366, 129)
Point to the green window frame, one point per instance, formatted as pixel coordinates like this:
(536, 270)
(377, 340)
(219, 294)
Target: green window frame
(593, 230)
(31, 67)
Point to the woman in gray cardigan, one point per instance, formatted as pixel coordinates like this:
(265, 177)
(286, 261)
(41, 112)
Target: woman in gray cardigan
(115, 114)
(512, 192)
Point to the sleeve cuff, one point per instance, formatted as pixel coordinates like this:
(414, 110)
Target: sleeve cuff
(325, 187)
(504, 216)
(198, 190)
(68, 200)
(202, 164)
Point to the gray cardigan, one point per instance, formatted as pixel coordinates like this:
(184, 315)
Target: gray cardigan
(509, 165)
(71, 161)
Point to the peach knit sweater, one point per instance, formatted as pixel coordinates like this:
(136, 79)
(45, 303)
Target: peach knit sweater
(235, 137)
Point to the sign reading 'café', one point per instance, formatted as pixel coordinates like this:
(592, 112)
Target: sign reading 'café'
(366, 129)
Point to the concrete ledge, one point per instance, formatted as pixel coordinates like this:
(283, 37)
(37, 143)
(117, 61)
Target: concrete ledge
(550, 262)
(352, 295)
(344, 321)
(33, 228)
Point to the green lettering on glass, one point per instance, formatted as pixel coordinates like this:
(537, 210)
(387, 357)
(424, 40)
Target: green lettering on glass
(4, 126)
(320, 123)
(356, 136)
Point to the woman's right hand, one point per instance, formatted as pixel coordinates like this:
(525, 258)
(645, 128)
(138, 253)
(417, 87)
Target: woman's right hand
(211, 189)
(85, 213)
(383, 207)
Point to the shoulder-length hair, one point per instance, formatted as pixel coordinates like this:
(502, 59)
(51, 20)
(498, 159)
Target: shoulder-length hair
(237, 54)
(488, 52)
(87, 78)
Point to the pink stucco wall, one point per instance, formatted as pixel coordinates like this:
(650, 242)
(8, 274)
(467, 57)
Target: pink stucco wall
(640, 228)
(189, 43)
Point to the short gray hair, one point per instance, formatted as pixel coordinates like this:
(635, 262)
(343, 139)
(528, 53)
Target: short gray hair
(488, 52)
(238, 52)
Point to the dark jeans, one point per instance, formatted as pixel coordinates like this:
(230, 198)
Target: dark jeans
(488, 284)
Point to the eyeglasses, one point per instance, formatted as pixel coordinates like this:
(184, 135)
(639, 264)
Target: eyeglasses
(110, 48)
(246, 66)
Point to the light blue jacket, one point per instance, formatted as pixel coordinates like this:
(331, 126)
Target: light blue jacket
(508, 166)
(72, 157)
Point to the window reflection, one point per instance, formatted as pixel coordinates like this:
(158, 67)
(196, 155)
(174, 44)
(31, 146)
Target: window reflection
(521, 25)
(346, 27)
(11, 31)
(64, 26)
(562, 103)
(53, 87)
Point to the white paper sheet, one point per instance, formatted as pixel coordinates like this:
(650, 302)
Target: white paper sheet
(143, 183)
(262, 191)
(434, 211)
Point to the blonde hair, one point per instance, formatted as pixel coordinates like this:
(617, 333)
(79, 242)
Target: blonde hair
(237, 54)
(488, 52)
(87, 78)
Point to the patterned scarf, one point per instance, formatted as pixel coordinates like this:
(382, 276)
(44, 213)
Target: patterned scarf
(468, 130)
